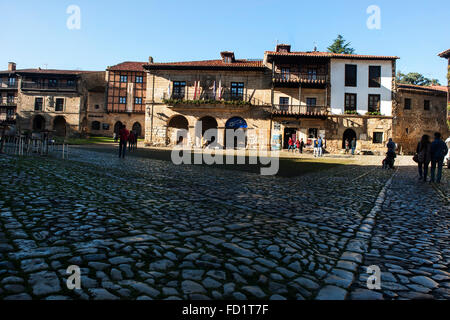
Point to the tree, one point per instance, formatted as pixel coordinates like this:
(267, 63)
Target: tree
(415, 78)
(341, 46)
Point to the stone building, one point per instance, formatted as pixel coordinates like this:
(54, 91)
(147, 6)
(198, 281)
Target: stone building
(47, 99)
(287, 94)
(227, 93)
(8, 95)
(123, 103)
(420, 110)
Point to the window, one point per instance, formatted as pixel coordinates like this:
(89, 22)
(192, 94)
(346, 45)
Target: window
(350, 75)
(138, 100)
(312, 74)
(350, 102)
(71, 83)
(105, 126)
(97, 107)
(59, 105)
(122, 100)
(52, 83)
(123, 79)
(374, 76)
(237, 90)
(11, 81)
(426, 105)
(313, 133)
(284, 101)
(285, 74)
(38, 102)
(407, 104)
(310, 104)
(139, 79)
(10, 98)
(179, 89)
(378, 137)
(95, 125)
(374, 102)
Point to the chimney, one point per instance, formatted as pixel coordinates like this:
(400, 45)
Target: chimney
(283, 48)
(150, 59)
(227, 56)
(11, 66)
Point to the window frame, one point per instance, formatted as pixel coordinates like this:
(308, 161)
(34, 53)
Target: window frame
(122, 78)
(374, 82)
(377, 134)
(41, 104)
(405, 105)
(141, 78)
(284, 99)
(346, 107)
(178, 89)
(427, 106)
(124, 99)
(378, 108)
(63, 104)
(348, 70)
(237, 90)
(136, 99)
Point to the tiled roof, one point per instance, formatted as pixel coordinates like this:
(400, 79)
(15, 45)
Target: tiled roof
(208, 64)
(445, 54)
(423, 88)
(128, 66)
(48, 71)
(319, 54)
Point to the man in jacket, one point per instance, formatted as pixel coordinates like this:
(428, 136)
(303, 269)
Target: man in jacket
(438, 152)
(123, 135)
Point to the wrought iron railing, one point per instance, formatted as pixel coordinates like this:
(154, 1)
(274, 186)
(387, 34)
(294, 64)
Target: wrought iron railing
(48, 86)
(8, 101)
(319, 78)
(300, 109)
(209, 98)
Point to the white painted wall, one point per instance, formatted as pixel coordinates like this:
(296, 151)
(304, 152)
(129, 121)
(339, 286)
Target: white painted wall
(338, 88)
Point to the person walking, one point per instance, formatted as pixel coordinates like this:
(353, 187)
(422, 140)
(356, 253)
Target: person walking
(353, 145)
(423, 156)
(347, 146)
(391, 145)
(302, 145)
(131, 141)
(123, 135)
(438, 152)
(319, 147)
(291, 145)
(297, 146)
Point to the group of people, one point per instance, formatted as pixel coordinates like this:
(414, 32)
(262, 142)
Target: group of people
(296, 146)
(125, 138)
(350, 144)
(431, 152)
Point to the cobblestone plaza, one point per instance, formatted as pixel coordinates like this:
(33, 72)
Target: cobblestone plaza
(146, 229)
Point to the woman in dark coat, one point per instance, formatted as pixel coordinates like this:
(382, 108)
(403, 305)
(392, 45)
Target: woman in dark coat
(424, 156)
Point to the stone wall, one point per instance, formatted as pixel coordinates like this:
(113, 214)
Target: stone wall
(410, 125)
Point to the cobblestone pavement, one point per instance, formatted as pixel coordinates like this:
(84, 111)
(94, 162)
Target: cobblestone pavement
(146, 229)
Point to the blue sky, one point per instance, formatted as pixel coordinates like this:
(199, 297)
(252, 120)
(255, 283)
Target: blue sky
(34, 33)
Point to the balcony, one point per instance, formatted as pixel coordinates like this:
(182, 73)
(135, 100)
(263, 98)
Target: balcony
(8, 102)
(6, 117)
(297, 78)
(209, 99)
(8, 85)
(29, 85)
(300, 111)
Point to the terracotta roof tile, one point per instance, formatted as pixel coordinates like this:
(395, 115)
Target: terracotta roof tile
(240, 63)
(445, 54)
(128, 66)
(49, 71)
(319, 54)
(424, 88)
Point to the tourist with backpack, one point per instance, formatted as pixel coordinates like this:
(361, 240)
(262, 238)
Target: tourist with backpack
(438, 152)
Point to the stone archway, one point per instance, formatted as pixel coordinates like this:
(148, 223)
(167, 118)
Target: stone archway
(38, 123)
(209, 124)
(349, 134)
(173, 126)
(137, 128)
(239, 127)
(59, 126)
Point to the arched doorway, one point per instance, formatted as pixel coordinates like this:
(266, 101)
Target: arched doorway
(238, 127)
(174, 125)
(59, 125)
(38, 123)
(117, 127)
(137, 129)
(207, 124)
(349, 134)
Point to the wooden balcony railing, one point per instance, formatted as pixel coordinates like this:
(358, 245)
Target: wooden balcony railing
(300, 110)
(296, 77)
(48, 87)
(8, 85)
(7, 102)
(7, 117)
(209, 98)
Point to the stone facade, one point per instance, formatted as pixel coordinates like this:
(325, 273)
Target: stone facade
(414, 117)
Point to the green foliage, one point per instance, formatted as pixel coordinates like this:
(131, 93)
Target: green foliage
(341, 46)
(415, 78)
(175, 102)
(350, 112)
(373, 113)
